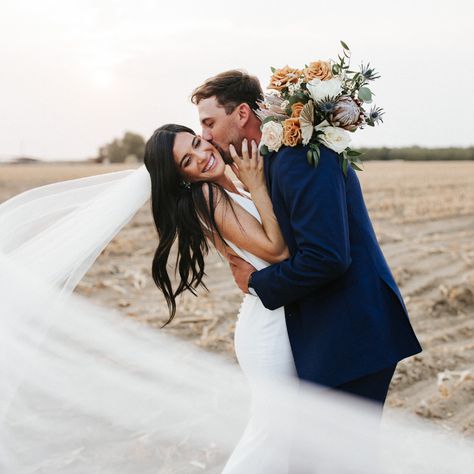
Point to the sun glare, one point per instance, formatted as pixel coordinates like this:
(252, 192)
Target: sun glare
(102, 78)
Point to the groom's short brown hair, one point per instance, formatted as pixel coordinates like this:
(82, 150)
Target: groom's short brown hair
(230, 88)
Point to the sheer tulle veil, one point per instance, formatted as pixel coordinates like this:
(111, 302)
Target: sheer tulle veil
(84, 389)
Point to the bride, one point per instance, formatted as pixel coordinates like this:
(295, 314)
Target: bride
(195, 201)
(57, 231)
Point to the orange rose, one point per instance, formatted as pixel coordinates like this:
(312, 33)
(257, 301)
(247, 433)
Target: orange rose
(283, 77)
(291, 132)
(296, 109)
(318, 70)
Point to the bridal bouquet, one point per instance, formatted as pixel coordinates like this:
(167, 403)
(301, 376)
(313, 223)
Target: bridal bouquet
(321, 103)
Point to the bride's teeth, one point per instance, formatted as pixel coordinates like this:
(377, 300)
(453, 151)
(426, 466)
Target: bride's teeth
(211, 162)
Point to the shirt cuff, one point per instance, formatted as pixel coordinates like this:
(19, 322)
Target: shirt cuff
(252, 291)
(249, 286)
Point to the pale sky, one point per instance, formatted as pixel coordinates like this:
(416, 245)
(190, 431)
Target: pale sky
(76, 74)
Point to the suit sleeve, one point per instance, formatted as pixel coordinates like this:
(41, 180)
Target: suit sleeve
(315, 199)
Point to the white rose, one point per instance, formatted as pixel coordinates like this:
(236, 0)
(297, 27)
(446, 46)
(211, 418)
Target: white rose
(335, 138)
(321, 89)
(272, 135)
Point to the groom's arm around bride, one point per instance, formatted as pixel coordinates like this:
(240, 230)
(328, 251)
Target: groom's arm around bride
(317, 228)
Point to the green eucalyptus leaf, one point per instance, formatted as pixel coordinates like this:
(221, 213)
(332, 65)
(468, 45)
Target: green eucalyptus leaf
(353, 153)
(316, 156)
(264, 150)
(317, 149)
(345, 165)
(365, 94)
(269, 119)
(356, 167)
(298, 97)
(344, 45)
(272, 69)
(309, 157)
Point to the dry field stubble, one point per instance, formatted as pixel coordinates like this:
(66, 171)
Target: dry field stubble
(423, 214)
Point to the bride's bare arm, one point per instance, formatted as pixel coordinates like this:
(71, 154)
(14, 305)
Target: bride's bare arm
(240, 227)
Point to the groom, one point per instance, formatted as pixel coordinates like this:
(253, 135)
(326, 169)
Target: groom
(347, 322)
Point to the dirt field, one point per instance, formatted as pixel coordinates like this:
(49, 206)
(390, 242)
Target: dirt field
(424, 217)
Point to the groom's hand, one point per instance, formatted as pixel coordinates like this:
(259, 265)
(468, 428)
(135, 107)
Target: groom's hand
(241, 271)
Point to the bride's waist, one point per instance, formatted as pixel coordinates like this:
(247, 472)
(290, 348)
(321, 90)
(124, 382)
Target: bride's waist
(253, 304)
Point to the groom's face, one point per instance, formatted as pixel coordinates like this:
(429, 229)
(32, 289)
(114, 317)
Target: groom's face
(219, 127)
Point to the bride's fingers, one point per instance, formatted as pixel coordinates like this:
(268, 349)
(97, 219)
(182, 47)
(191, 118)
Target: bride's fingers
(235, 170)
(259, 161)
(254, 150)
(245, 149)
(233, 154)
(255, 155)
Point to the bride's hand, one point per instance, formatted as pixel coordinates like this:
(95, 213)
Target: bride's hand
(248, 169)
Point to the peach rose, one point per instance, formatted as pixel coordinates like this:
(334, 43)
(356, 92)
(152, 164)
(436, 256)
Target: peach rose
(291, 132)
(296, 109)
(283, 77)
(318, 70)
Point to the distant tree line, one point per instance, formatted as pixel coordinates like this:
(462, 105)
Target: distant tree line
(416, 153)
(129, 148)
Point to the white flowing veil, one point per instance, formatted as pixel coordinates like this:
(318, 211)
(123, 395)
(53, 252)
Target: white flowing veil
(83, 389)
(58, 230)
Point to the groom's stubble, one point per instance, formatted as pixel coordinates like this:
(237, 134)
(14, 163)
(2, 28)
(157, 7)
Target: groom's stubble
(236, 141)
(226, 154)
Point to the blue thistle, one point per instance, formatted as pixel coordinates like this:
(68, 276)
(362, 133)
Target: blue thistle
(368, 72)
(326, 105)
(375, 116)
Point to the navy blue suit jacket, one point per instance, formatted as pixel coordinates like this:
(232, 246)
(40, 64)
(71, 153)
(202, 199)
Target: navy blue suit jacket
(344, 312)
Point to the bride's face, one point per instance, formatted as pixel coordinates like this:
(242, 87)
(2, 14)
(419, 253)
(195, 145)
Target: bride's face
(197, 159)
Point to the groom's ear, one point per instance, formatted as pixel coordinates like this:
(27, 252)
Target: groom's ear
(244, 113)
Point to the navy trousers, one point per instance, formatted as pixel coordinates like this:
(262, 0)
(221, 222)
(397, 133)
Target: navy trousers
(373, 386)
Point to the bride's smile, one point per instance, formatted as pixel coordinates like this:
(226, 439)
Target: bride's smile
(197, 159)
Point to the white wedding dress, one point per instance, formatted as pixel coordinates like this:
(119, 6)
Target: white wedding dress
(264, 353)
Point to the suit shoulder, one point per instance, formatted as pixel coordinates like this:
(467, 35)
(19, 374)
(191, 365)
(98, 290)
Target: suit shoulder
(291, 156)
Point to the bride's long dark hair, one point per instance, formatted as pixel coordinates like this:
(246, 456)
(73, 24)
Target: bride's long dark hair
(179, 211)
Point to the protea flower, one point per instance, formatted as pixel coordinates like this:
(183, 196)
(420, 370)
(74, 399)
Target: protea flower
(271, 106)
(347, 114)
